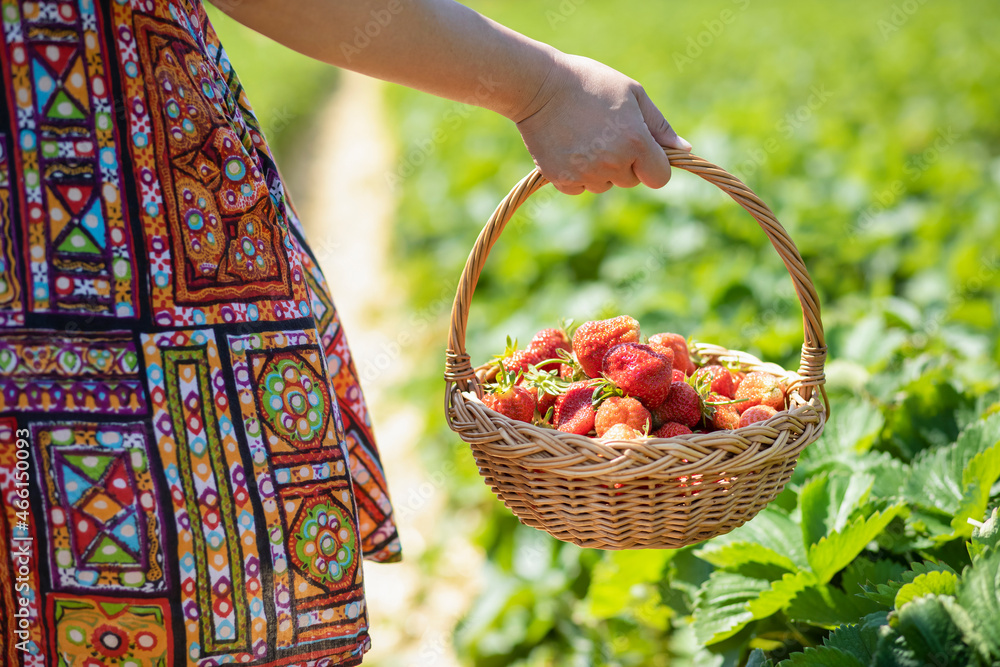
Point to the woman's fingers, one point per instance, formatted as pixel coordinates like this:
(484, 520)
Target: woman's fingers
(659, 128)
(596, 128)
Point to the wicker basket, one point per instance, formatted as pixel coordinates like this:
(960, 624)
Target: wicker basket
(650, 492)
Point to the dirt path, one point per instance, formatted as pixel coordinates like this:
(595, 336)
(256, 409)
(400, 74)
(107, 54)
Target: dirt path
(349, 217)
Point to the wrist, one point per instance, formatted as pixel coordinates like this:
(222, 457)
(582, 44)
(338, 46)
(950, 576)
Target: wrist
(537, 86)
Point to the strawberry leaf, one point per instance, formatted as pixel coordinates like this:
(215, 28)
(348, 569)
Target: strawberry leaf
(848, 433)
(827, 606)
(928, 583)
(734, 555)
(863, 572)
(833, 552)
(721, 608)
(772, 529)
(780, 594)
(936, 628)
(885, 593)
(860, 639)
(979, 590)
(978, 478)
(937, 476)
(827, 502)
(758, 659)
(822, 656)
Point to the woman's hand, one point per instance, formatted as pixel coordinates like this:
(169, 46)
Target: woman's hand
(591, 127)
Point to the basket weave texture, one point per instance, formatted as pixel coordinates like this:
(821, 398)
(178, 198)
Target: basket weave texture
(648, 492)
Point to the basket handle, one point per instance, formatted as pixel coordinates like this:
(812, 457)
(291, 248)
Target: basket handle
(458, 365)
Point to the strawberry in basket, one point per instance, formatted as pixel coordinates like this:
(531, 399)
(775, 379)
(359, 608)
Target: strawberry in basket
(594, 339)
(509, 398)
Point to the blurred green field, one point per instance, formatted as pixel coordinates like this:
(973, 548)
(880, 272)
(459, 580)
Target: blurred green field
(869, 127)
(871, 130)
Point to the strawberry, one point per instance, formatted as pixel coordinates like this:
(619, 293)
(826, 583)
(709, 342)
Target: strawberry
(678, 374)
(738, 377)
(756, 413)
(592, 341)
(723, 411)
(622, 432)
(514, 360)
(621, 410)
(546, 345)
(510, 399)
(574, 410)
(640, 371)
(671, 430)
(720, 377)
(683, 405)
(543, 400)
(761, 389)
(675, 342)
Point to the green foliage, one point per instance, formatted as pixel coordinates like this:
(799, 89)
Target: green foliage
(871, 131)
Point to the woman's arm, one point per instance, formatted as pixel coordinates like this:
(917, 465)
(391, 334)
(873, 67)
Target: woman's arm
(586, 125)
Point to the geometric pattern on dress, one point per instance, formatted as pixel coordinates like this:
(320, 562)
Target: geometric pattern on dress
(221, 581)
(89, 373)
(105, 531)
(11, 303)
(380, 539)
(19, 542)
(96, 630)
(217, 244)
(66, 161)
(305, 487)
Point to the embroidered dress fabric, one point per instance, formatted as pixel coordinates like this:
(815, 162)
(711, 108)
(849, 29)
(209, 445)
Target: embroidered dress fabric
(187, 469)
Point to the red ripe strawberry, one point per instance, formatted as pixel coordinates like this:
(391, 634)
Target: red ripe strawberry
(519, 361)
(761, 389)
(738, 378)
(574, 411)
(720, 377)
(592, 340)
(725, 415)
(513, 401)
(683, 405)
(678, 374)
(676, 342)
(671, 430)
(546, 345)
(757, 413)
(640, 371)
(621, 410)
(622, 432)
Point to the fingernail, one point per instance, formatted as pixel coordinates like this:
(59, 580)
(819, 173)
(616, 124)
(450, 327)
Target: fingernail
(684, 145)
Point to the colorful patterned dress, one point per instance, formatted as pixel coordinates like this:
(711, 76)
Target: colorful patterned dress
(187, 469)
